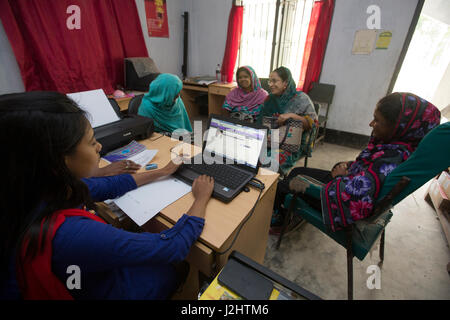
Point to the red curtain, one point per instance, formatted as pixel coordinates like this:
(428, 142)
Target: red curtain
(316, 42)
(233, 40)
(53, 57)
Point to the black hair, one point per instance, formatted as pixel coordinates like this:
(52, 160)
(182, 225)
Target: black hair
(37, 130)
(390, 107)
(284, 73)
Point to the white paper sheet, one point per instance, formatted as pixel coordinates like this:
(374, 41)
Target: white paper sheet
(144, 157)
(97, 105)
(146, 201)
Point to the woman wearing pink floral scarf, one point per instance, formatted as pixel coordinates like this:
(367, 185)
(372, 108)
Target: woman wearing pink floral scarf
(350, 196)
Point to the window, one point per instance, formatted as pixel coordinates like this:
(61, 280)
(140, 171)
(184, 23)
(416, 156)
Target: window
(274, 34)
(426, 60)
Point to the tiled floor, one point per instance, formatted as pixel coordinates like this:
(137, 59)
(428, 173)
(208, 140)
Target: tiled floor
(416, 251)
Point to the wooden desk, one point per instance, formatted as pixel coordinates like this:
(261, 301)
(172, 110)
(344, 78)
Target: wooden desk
(222, 221)
(216, 96)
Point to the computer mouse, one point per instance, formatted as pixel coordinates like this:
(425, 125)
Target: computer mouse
(246, 189)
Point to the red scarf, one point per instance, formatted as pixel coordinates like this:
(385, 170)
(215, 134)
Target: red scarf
(40, 282)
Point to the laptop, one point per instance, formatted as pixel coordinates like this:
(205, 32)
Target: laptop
(230, 155)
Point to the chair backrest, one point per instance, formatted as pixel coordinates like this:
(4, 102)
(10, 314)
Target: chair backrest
(134, 104)
(322, 92)
(115, 106)
(265, 84)
(431, 157)
(317, 107)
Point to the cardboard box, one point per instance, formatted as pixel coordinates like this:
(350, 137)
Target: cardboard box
(436, 198)
(444, 191)
(439, 199)
(444, 182)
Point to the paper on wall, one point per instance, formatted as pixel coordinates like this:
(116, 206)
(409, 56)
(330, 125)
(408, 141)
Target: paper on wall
(364, 41)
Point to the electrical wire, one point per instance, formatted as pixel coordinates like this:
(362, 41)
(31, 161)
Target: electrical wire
(261, 189)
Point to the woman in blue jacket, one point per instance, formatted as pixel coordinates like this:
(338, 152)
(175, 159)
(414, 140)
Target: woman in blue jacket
(48, 223)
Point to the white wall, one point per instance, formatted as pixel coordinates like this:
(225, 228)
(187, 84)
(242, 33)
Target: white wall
(166, 52)
(207, 35)
(10, 78)
(361, 80)
(208, 22)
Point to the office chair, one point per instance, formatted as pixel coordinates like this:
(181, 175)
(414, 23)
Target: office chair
(429, 159)
(134, 104)
(322, 94)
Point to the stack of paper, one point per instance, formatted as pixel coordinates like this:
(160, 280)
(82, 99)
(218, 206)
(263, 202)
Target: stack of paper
(133, 151)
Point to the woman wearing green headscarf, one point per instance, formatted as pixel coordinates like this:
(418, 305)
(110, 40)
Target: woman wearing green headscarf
(286, 102)
(163, 104)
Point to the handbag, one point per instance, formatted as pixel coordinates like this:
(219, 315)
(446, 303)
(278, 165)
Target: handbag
(289, 134)
(239, 115)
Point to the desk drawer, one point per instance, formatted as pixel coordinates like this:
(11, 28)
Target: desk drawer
(219, 91)
(195, 88)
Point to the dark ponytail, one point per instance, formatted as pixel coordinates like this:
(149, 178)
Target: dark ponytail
(37, 130)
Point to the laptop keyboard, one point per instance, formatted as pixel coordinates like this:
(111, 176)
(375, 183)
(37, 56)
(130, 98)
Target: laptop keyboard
(222, 174)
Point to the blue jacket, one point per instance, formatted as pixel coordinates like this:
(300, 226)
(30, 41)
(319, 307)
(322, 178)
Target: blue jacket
(113, 263)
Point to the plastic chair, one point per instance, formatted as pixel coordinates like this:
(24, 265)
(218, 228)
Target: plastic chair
(431, 157)
(322, 94)
(134, 104)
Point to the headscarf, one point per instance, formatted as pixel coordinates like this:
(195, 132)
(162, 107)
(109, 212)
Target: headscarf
(239, 98)
(278, 104)
(158, 104)
(351, 198)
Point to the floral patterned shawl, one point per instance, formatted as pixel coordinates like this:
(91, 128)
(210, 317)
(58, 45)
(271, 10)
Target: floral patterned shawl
(352, 197)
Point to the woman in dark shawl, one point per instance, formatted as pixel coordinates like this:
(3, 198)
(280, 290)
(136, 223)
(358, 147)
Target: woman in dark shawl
(351, 188)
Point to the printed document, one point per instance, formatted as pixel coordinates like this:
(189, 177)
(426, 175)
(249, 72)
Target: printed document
(146, 201)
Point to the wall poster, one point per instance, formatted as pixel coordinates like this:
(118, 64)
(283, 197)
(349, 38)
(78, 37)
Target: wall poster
(156, 16)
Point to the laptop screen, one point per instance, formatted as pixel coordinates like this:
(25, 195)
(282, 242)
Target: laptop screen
(234, 142)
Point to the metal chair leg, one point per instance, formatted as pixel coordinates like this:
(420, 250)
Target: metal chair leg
(382, 246)
(349, 264)
(287, 218)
